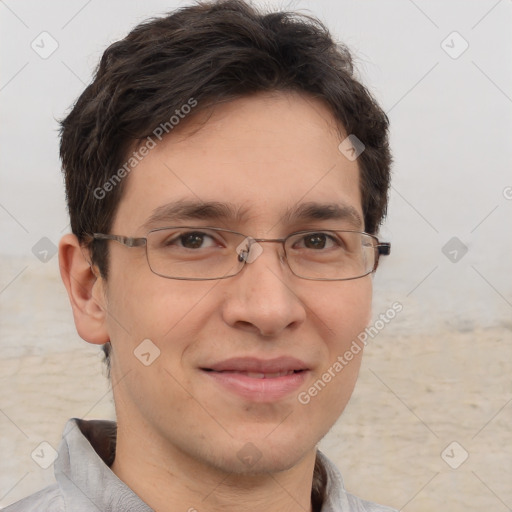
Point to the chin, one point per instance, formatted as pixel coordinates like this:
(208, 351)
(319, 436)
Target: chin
(256, 455)
(260, 462)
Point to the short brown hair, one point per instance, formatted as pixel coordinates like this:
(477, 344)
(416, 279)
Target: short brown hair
(210, 52)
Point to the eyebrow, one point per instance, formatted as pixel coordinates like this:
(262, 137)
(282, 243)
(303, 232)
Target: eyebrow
(187, 210)
(324, 211)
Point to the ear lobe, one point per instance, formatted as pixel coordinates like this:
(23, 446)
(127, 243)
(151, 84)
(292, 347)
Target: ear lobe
(85, 290)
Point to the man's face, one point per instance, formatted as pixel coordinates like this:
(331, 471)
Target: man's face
(202, 397)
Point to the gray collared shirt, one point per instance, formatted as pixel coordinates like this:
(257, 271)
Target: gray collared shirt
(85, 482)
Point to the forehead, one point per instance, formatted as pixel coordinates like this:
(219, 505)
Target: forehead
(267, 157)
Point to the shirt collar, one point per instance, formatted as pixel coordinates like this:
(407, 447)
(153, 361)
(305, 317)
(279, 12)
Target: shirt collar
(87, 451)
(82, 471)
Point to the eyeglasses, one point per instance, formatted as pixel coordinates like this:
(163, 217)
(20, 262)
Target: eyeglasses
(204, 253)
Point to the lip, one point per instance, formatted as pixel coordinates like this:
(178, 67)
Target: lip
(258, 380)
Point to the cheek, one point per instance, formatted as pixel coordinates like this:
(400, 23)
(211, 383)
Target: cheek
(345, 310)
(342, 314)
(158, 309)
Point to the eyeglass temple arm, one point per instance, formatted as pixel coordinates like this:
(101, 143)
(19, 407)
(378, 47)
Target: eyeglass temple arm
(125, 240)
(384, 248)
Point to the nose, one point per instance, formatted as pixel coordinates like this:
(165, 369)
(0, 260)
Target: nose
(262, 298)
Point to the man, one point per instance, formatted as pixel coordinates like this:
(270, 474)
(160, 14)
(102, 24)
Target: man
(226, 176)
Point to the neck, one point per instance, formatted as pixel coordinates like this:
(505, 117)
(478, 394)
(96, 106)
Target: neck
(168, 480)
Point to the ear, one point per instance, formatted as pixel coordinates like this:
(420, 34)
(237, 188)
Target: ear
(85, 289)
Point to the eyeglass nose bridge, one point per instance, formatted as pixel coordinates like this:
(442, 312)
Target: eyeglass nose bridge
(250, 248)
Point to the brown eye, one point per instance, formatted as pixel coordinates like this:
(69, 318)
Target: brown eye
(193, 240)
(315, 241)
(188, 240)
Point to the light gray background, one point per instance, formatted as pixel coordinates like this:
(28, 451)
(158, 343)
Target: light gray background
(451, 121)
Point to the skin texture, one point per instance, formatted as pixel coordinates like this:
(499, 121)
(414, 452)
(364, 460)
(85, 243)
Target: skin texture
(179, 432)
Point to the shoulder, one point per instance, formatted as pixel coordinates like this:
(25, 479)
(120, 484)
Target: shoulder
(360, 505)
(48, 499)
(337, 498)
